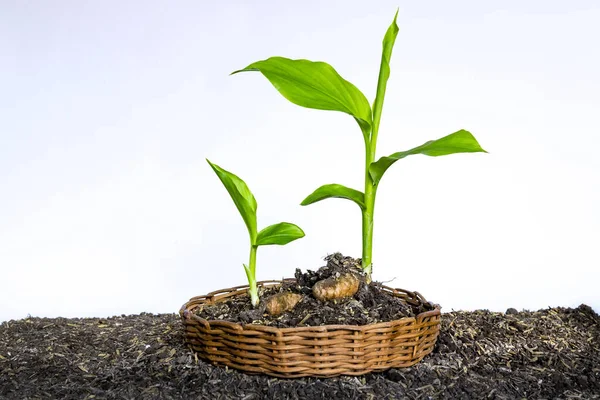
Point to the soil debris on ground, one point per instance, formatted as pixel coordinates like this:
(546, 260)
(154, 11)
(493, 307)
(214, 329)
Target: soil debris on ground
(547, 354)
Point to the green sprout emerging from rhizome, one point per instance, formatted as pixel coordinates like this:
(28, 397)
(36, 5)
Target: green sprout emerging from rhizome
(281, 233)
(317, 85)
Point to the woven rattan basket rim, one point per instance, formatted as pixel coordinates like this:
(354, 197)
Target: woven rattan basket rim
(187, 311)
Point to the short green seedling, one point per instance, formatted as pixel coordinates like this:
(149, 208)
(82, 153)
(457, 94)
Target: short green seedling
(317, 85)
(281, 233)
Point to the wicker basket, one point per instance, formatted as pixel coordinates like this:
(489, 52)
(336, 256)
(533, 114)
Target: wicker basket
(322, 351)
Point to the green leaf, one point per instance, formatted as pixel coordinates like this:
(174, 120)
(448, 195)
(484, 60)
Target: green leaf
(314, 85)
(335, 190)
(457, 142)
(281, 233)
(384, 71)
(249, 274)
(242, 197)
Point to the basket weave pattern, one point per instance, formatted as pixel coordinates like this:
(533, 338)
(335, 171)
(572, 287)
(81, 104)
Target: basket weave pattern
(323, 351)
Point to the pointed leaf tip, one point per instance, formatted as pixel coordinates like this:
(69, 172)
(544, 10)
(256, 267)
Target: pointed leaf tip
(458, 142)
(241, 195)
(389, 39)
(314, 84)
(281, 233)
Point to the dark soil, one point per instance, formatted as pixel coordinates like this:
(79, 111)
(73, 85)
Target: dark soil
(548, 354)
(371, 304)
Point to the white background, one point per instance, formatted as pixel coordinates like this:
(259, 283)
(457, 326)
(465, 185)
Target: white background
(108, 110)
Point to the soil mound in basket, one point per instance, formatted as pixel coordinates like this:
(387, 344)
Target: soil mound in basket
(371, 304)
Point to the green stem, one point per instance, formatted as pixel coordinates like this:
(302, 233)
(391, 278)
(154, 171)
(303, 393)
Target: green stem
(367, 229)
(253, 290)
(367, 213)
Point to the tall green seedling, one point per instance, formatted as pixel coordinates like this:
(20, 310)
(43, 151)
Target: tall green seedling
(281, 233)
(317, 85)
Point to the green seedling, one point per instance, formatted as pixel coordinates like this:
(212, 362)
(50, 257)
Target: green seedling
(281, 233)
(317, 85)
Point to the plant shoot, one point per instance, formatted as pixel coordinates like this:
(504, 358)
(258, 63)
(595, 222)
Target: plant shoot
(317, 85)
(281, 233)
